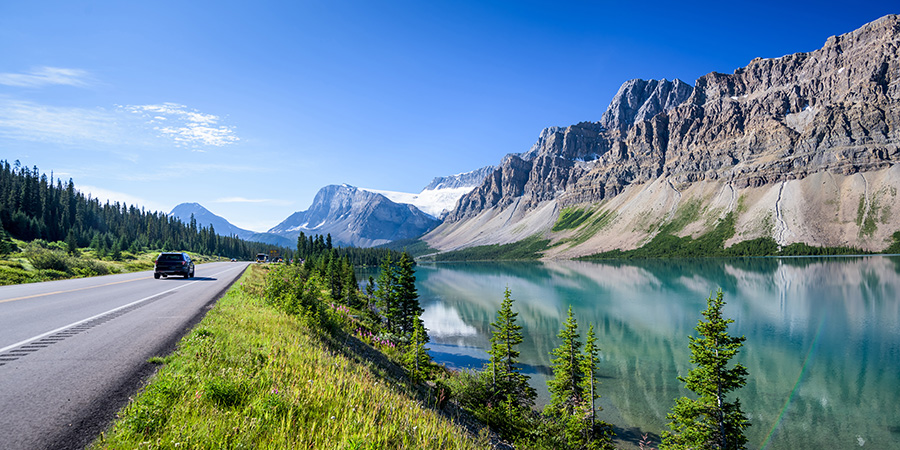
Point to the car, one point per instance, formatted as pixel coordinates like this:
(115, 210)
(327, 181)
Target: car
(233, 260)
(173, 263)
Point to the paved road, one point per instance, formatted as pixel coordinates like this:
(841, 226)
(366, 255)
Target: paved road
(73, 351)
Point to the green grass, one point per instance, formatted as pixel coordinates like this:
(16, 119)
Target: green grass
(712, 244)
(45, 261)
(528, 248)
(571, 218)
(250, 376)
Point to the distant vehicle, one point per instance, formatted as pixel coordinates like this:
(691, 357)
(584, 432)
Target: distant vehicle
(261, 257)
(233, 260)
(173, 263)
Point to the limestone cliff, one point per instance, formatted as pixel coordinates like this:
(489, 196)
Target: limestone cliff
(835, 110)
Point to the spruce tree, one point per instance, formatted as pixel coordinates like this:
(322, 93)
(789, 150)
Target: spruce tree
(566, 387)
(506, 377)
(589, 367)
(710, 421)
(386, 296)
(407, 296)
(417, 359)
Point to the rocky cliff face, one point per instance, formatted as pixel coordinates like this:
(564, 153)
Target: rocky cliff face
(356, 217)
(640, 100)
(835, 110)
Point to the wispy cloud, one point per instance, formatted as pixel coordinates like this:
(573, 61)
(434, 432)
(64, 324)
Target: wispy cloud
(46, 76)
(252, 200)
(27, 120)
(186, 127)
(127, 126)
(112, 196)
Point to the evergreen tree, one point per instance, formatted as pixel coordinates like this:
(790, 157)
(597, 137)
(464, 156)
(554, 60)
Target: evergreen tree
(417, 359)
(6, 244)
(602, 432)
(506, 377)
(386, 296)
(71, 243)
(407, 296)
(567, 386)
(351, 286)
(710, 421)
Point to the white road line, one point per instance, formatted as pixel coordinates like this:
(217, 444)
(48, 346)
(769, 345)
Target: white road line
(74, 324)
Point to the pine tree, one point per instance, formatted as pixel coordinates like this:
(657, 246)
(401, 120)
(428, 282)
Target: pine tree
(566, 387)
(710, 421)
(589, 367)
(6, 244)
(506, 377)
(386, 296)
(407, 296)
(350, 285)
(417, 359)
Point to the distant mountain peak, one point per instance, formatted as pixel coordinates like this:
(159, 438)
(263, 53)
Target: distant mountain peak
(356, 217)
(223, 227)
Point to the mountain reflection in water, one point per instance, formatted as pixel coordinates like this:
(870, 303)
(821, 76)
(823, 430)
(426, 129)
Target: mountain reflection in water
(822, 349)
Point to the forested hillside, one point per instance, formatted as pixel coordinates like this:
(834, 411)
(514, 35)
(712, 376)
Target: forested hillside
(35, 206)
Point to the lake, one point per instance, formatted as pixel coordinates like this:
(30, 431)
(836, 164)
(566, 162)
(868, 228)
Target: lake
(822, 348)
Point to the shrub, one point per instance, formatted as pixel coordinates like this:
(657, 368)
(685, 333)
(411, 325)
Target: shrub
(45, 258)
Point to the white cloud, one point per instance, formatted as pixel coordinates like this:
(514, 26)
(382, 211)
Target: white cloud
(186, 127)
(122, 127)
(27, 120)
(46, 76)
(105, 195)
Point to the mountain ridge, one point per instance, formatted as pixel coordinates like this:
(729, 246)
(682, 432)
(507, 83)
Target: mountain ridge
(356, 217)
(766, 127)
(222, 226)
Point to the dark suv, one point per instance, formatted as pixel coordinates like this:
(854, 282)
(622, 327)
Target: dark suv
(172, 263)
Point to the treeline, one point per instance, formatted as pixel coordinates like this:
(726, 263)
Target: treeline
(35, 206)
(309, 246)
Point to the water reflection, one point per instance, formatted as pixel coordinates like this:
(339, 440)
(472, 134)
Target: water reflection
(822, 335)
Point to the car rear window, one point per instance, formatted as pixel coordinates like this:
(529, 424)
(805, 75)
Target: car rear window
(170, 257)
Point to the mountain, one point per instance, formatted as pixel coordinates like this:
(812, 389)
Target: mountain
(801, 148)
(223, 227)
(356, 217)
(441, 195)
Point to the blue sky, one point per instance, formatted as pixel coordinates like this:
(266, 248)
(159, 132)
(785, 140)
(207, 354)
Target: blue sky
(249, 108)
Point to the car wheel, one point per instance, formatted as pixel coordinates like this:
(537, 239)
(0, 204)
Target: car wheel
(156, 275)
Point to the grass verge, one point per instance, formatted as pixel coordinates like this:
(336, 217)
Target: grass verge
(250, 376)
(39, 260)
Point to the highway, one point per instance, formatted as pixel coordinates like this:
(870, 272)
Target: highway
(73, 351)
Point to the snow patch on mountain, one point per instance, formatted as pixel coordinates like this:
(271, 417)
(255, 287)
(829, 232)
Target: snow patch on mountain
(441, 195)
(433, 202)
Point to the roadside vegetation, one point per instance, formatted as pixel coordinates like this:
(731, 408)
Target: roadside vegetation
(39, 260)
(259, 373)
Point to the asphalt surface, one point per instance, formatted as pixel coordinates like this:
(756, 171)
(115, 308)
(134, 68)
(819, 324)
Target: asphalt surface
(72, 352)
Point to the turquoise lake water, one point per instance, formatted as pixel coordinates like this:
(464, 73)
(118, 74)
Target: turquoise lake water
(822, 348)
